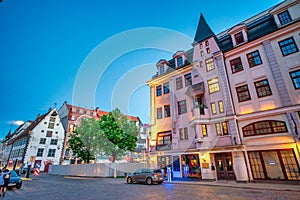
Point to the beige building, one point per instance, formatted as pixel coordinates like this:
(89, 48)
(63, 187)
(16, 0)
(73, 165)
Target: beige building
(229, 108)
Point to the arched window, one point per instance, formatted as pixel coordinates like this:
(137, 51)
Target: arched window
(264, 127)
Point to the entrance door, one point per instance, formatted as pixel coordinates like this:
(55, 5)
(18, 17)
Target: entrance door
(224, 166)
(46, 169)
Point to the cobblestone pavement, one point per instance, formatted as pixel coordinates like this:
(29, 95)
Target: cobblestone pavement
(58, 187)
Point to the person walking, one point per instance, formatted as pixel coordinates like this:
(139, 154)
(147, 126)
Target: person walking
(5, 176)
(1, 182)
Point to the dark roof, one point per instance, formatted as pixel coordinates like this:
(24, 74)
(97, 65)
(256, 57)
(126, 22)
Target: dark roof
(203, 30)
(26, 132)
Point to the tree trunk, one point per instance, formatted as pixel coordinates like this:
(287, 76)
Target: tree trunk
(88, 157)
(114, 157)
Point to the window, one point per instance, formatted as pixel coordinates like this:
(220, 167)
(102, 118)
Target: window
(256, 165)
(40, 152)
(159, 113)
(167, 111)
(179, 62)
(213, 85)
(218, 129)
(213, 108)
(49, 133)
(158, 91)
(179, 84)
(183, 133)
(43, 141)
(295, 75)
(254, 59)
(207, 50)
(221, 106)
(263, 88)
(284, 17)
(51, 122)
(53, 142)
(201, 63)
(166, 88)
(243, 93)
(206, 43)
(288, 46)
(188, 79)
(201, 46)
(201, 53)
(225, 128)
(204, 130)
(161, 69)
(164, 138)
(195, 73)
(236, 65)
(239, 38)
(182, 107)
(51, 153)
(209, 64)
(264, 127)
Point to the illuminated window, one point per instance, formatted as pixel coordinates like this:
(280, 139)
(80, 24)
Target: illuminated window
(284, 17)
(218, 129)
(201, 63)
(207, 50)
(213, 85)
(204, 130)
(262, 88)
(201, 46)
(201, 53)
(164, 138)
(236, 65)
(295, 75)
(243, 93)
(225, 128)
(209, 64)
(264, 127)
(206, 43)
(221, 106)
(51, 122)
(213, 108)
(254, 59)
(288, 46)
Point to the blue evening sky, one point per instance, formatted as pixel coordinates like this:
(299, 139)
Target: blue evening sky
(43, 44)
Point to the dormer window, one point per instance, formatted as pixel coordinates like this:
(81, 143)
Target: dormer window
(162, 69)
(206, 43)
(179, 61)
(284, 17)
(239, 38)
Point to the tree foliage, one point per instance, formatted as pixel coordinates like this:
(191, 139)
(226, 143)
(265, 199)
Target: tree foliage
(120, 134)
(86, 140)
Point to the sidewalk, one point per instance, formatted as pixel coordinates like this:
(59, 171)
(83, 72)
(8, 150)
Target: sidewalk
(261, 186)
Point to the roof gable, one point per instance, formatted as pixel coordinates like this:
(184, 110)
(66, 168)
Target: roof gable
(203, 30)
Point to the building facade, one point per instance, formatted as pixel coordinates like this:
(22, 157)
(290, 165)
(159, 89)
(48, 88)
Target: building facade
(38, 143)
(229, 108)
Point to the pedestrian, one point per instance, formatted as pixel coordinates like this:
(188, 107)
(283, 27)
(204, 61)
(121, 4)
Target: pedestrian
(5, 177)
(1, 182)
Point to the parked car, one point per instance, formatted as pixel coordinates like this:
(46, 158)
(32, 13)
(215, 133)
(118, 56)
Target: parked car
(146, 175)
(15, 180)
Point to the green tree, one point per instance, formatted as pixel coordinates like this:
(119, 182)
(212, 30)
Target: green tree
(120, 134)
(86, 140)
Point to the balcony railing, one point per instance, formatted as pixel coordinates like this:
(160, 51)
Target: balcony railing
(200, 113)
(164, 147)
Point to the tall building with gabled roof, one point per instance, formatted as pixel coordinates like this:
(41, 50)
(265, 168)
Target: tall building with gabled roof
(229, 108)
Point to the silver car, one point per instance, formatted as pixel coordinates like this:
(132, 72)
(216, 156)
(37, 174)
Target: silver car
(146, 175)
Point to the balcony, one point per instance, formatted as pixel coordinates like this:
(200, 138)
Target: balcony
(164, 147)
(199, 113)
(203, 143)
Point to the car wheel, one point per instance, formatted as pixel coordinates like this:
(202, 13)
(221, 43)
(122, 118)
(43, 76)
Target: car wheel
(160, 182)
(149, 181)
(129, 180)
(18, 186)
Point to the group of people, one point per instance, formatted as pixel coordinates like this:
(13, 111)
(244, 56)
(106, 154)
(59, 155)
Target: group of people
(4, 179)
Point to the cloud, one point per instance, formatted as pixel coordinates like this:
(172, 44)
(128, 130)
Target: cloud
(16, 122)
